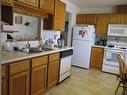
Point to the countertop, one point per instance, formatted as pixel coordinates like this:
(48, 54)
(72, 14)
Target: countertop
(9, 57)
(99, 46)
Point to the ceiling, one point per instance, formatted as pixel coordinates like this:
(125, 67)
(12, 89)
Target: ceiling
(98, 3)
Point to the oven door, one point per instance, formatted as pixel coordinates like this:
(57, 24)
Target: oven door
(111, 57)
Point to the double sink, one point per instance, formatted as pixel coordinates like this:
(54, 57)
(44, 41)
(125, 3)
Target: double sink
(36, 49)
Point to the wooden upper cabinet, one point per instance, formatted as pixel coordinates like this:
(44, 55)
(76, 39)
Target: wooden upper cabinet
(33, 3)
(97, 57)
(91, 19)
(81, 19)
(59, 16)
(102, 25)
(124, 19)
(47, 5)
(115, 19)
(9, 2)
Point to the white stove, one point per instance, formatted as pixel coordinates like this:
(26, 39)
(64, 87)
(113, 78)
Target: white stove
(110, 60)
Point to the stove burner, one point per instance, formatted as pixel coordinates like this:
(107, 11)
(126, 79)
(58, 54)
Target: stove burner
(123, 48)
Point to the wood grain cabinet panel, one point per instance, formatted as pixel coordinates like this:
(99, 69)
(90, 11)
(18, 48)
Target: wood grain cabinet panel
(33, 3)
(102, 25)
(54, 57)
(38, 80)
(124, 19)
(9, 2)
(39, 61)
(115, 19)
(19, 84)
(91, 19)
(47, 5)
(97, 58)
(59, 16)
(18, 67)
(53, 69)
(4, 86)
(81, 19)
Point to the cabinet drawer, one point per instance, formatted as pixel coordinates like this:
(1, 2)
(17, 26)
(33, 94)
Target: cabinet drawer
(54, 57)
(39, 61)
(97, 49)
(4, 71)
(18, 67)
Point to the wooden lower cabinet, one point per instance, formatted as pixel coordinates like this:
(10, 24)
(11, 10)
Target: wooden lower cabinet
(97, 58)
(19, 84)
(53, 69)
(4, 87)
(38, 80)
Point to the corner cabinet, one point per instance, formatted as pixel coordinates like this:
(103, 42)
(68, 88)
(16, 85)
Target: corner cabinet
(47, 5)
(97, 57)
(33, 3)
(59, 16)
(53, 69)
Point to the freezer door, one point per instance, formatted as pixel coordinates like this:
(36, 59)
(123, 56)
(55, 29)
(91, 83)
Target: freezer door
(81, 53)
(83, 33)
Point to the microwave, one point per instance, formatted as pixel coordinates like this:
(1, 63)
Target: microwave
(117, 30)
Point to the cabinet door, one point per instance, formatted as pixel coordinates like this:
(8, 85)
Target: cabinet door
(10, 2)
(19, 84)
(53, 73)
(59, 16)
(91, 19)
(115, 19)
(97, 58)
(81, 19)
(102, 25)
(4, 87)
(38, 80)
(124, 19)
(47, 5)
(33, 3)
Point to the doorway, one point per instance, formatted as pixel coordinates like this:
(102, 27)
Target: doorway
(68, 31)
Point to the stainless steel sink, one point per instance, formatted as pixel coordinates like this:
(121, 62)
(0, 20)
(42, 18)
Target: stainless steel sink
(36, 49)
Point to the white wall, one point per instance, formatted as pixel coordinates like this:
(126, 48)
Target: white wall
(98, 10)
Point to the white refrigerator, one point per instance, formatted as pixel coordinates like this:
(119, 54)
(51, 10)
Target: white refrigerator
(83, 39)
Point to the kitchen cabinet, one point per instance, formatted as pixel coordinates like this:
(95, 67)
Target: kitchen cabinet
(97, 57)
(91, 19)
(102, 25)
(122, 8)
(124, 19)
(81, 19)
(7, 14)
(47, 5)
(33, 3)
(7, 2)
(19, 78)
(4, 80)
(39, 75)
(53, 69)
(59, 16)
(115, 19)
(56, 21)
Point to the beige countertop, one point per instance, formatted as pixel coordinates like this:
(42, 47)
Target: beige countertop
(99, 46)
(9, 57)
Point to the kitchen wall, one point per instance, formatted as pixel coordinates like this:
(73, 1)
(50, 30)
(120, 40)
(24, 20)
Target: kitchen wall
(98, 10)
(74, 10)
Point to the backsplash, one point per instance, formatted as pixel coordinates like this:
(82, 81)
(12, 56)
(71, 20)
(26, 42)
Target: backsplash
(117, 41)
(50, 34)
